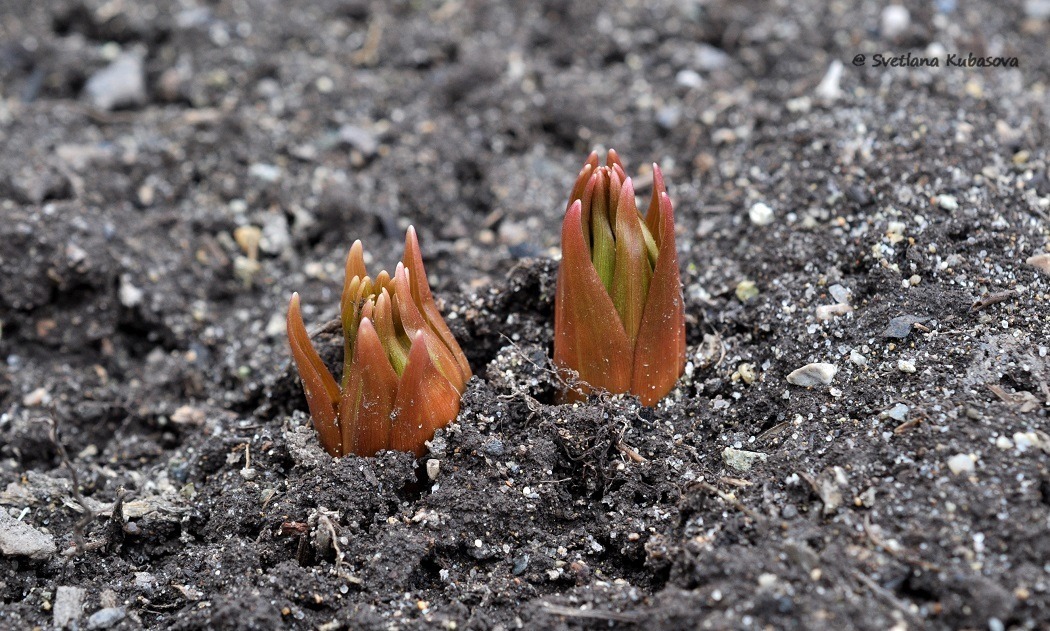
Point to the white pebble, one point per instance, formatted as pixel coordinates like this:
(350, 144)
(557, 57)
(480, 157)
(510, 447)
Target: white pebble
(828, 89)
(36, 398)
(813, 375)
(894, 21)
(827, 312)
(858, 358)
(761, 214)
(905, 365)
(961, 463)
(947, 202)
(689, 79)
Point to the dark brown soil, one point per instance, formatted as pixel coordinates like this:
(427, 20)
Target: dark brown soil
(911, 492)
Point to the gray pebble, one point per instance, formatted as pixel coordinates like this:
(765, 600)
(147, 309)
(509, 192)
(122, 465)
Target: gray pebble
(68, 604)
(120, 84)
(105, 618)
(359, 138)
(493, 448)
(900, 326)
(898, 412)
(20, 539)
(740, 459)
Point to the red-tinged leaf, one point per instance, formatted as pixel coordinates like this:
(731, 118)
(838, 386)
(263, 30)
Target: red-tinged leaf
(368, 400)
(585, 175)
(632, 273)
(395, 348)
(615, 183)
(612, 159)
(586, 207)
(588, 335)
(426, 401)
(652, 214)
(413, 322)
(348, 312)
(322, 393)
(659, 355)
(603, 243)
(355, 262)
(413, 260)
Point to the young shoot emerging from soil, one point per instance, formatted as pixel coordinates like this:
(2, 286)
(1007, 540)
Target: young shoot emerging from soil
(403, 372)
(619, 319)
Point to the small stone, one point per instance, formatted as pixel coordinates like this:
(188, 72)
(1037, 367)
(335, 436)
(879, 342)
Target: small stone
(746, 290)
(746, 373)
(914, 280)
(898, 412)
(839, 293)
(709, 58)
(69, 602)
(18, 538)
(359, 138)
(265, 172)
(1037, 9)
(188, 415)
(433, 468)
(905, 365)
(895, 231)
(829, 89)
(120, 84)
(742, 460)
(947, 202)
(145, 581)
(894, 21)
(858, 358)
(961, 463)
(37, 398)
(248, 237)
(275, 237)
(761, 214)
(1004, 443)
(827, 312)
(105, 618)
(1024, 440)
(815, 374)
(901, 326)
(129, 294)
(689, 79)
(668, 117)
(1041, 262)
(276, 326)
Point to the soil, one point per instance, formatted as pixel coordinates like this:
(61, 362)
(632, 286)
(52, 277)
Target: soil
(152, 428)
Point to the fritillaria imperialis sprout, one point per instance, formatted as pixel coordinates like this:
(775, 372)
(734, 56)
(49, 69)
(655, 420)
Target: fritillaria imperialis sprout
(619, 319)
(403, 372)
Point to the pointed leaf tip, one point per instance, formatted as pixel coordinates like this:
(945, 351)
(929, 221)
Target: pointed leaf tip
(320, 388)
(368, 400)
(588, 335)
(632, 273)
(425, 402)
(659, 356)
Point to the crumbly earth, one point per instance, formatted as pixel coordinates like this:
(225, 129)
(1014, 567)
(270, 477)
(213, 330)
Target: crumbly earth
(912, 491)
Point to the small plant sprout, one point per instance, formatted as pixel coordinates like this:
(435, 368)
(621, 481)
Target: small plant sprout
(619, 319)
(403, 372)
